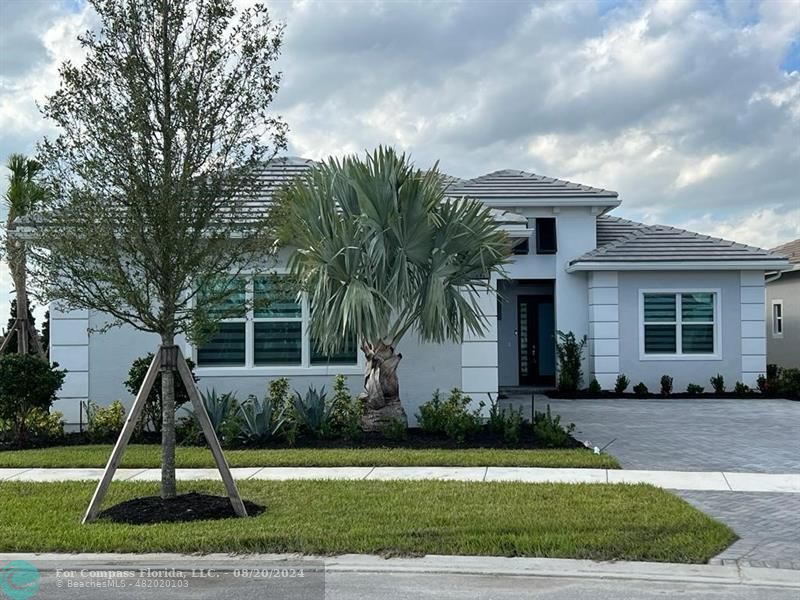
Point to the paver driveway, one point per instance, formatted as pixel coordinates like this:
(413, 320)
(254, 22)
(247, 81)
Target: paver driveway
(760, 436)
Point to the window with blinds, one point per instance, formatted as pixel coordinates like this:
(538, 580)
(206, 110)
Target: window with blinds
(265, 325)
(679, 323)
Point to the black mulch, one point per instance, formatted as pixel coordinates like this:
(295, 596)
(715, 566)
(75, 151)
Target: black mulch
(184, 507)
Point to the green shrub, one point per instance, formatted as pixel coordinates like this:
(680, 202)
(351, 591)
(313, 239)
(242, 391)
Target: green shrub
(666, 385)
(594, 386)
(621, 384)
(151, 414)
(569, 351)
(42, 426)
(105, 422)
(718, 383)
(223, 412)
(507, 424)
(395, 430)
(694, 390)
(347, 411)
(450, 417)
(741, 389)
(314, 413)
(27, 383)
(549, 432)
(640, 389)
(260, 421)
(788, 383)
(281, 400)
(761, 383)
(773, 373)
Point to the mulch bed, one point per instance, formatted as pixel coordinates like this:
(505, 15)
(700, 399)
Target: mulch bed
(183, 508)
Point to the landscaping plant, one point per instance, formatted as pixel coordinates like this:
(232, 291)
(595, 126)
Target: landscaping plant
(666, 385)
(222, 409)
(261, 421)
(569, 351)
(151, 415)
(41, 426)
(621, 384)
(694, 390)
(314, 413)
(741, 389)
(549, 431)
(718, 383)
(450, 417)
(761, 383)
(640, 389)
(594, 386)
(347, 410)
(395, 431)
(160, 126)
(27, 384)
(104, 423)
(507, 424)
(381, 251)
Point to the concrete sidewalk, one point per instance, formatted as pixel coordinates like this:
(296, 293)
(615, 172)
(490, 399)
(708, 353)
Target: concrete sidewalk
(675, 480)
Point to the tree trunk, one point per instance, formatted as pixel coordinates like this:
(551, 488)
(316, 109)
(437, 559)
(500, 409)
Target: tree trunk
(381, 395)
(168, 489)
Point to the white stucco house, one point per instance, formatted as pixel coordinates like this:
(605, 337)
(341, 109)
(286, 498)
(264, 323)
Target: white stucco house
(783, 310)
(651, 299)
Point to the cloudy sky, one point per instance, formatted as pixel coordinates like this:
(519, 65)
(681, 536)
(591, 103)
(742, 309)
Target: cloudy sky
(689, 109)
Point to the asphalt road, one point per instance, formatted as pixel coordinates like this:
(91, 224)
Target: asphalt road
(410, 586)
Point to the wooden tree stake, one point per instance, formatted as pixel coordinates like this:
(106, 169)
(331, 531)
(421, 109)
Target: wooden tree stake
(133, 418)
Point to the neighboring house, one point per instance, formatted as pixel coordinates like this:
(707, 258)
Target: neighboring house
(652, 300)
(783, 310)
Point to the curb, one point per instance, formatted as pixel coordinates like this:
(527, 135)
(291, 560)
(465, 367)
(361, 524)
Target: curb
(441, 564)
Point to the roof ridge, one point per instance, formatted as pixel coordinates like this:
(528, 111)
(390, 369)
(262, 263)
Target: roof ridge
(626, 237)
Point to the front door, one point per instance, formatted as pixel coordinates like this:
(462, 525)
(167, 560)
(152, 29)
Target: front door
(536, 334)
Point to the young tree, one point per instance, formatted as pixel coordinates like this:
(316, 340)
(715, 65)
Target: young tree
(13, 346)
(24, 195)
(154, 173)
(380, 251)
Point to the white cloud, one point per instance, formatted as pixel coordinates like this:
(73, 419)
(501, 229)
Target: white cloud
(764, 228)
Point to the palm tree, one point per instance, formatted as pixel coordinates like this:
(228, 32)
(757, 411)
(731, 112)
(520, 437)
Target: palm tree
(23, 195)
(381, 251)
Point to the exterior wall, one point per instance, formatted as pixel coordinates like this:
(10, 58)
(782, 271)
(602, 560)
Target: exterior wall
(683, 371)
(424, 368)
(604, 342)
(69, 347)
(753, 341)
(479, 377)
(784, 350)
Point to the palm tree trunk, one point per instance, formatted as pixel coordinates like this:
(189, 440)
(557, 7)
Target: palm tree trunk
(381, 395)
(168, 487)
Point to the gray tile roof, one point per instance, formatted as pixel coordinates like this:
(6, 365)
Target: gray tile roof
(629, 242)
(515, 185)
(790, 250)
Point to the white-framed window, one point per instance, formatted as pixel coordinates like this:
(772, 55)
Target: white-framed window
(270, 336)
(777, 318)
(679, 324)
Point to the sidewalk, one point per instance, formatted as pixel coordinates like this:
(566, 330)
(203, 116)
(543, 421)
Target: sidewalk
(717, 481)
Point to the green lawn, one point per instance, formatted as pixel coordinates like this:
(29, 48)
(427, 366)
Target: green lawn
(147, 456)
(595, 521)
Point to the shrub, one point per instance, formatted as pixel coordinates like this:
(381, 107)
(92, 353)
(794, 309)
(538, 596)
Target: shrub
(569, 351)
(741, 389)
(694, 390)
(105, 422)
(27, 383)
(395, 430)
(314, 413)
(761, 383)
(640, 389)
(42, 426)
(222, 411)
(347, 410)
(594, 386)
(789, 382)
(151, 414)
(621, 384)
(507, 424)
(260, 421)
(548, 430)
(666, 385)
(450, 417)
(281, 400)
(773, 373)
(718, 383)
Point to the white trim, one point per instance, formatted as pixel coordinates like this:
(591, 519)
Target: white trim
(776, 320)
(676, 265)
(679, 355)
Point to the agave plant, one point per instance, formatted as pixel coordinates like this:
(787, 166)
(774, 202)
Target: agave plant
(218, 407)
(261, 421)
(314, 412)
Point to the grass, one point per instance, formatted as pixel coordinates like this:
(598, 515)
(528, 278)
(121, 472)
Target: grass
(594, 521)
(149, 456)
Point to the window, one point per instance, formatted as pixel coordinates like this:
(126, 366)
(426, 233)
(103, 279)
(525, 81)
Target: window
(679, 323)
(777, 318)
(546, 236)
(521, 248)
(272, 333)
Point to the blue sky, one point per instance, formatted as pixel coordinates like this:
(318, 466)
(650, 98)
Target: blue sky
(689, 109)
